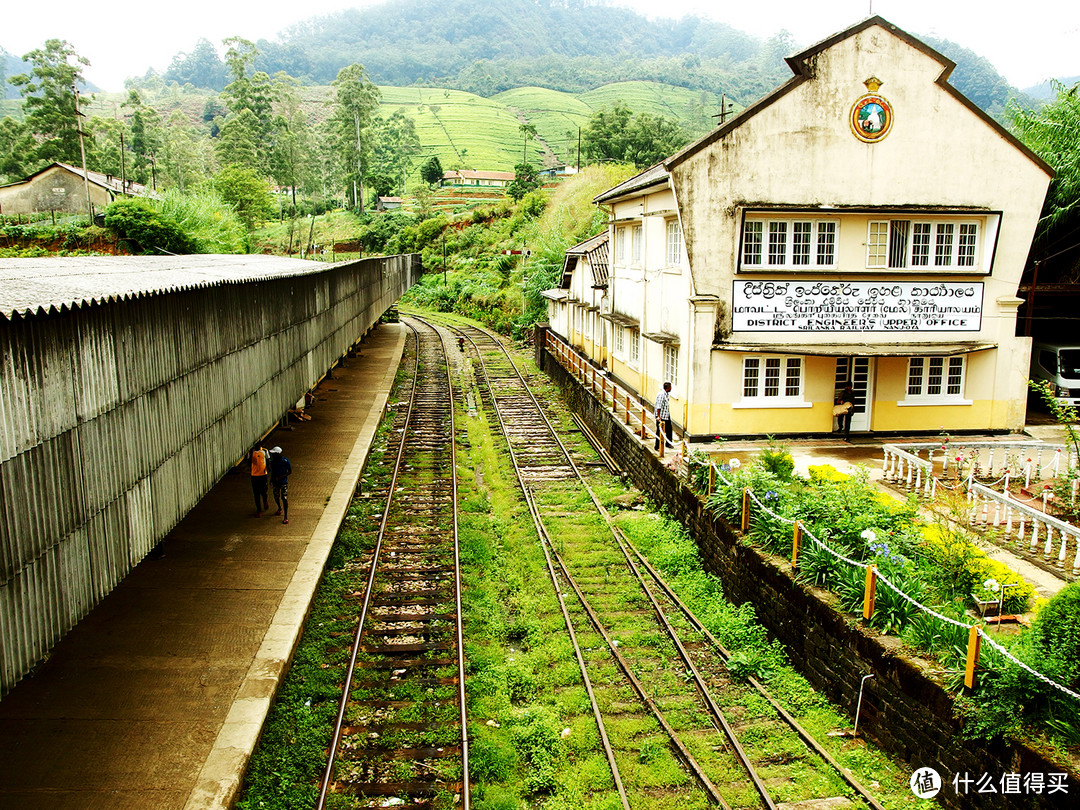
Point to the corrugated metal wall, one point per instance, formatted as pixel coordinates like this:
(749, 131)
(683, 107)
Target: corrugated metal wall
(115, 419)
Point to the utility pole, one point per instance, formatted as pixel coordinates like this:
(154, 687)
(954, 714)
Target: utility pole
(82, 151)
(725, 110)
(123, 166)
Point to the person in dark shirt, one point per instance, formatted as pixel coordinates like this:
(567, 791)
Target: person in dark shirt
(280, 468)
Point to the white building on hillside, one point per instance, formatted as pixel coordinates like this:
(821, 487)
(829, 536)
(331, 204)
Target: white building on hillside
(864, 223)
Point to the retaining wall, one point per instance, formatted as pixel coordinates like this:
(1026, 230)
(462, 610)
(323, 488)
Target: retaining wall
(117, 417)
(904, 711)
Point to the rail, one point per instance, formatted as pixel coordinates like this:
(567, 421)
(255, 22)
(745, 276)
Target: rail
(405, 598)
(636, 419)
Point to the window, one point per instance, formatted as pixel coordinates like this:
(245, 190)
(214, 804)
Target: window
(635, 244)
(674, 243)
(635, 343)
(619, 339)
(773, 380)
(900, 243)
(620, 244)
(671, 365)
(752, 243)
(788, 243)
(935, 379)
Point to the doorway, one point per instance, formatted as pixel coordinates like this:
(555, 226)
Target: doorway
(859, 373)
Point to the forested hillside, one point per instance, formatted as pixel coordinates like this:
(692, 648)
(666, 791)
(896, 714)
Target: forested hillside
(490, 46)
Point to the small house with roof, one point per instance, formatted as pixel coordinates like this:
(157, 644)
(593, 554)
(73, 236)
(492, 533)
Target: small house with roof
(574, 307)
(863, 224)
(63, 188)
(471, 178)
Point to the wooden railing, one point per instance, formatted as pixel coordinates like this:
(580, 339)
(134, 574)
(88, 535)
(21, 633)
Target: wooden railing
(623, 403)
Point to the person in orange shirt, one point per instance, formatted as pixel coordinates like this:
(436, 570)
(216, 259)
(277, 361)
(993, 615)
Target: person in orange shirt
(260, 478)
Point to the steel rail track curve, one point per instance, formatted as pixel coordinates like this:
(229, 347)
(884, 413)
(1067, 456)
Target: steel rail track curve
(400, 636)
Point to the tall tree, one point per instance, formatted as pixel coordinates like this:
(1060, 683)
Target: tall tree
(617, 134)
(182, 160)
(291, 160)
(145, 136)
(355, 101)
(1053, 133)
(253, 93)
(432, 171)
(16, 143)
(396, 144)
(527, 131)
(200, 68)
(49, 101)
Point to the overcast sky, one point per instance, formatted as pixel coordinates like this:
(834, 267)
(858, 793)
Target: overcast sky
(1028, 47)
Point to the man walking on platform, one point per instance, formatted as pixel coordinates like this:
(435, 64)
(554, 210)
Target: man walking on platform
(663, 419)
(279, 477)
(260, 475)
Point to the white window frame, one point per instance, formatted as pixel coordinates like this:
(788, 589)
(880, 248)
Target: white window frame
(936, 380)
(619, 344)
(635, 345)
(636, 242)
(620, 244)
(789, 243)
(671, 364)
(673, 244)
(772, 381)
(934, 244)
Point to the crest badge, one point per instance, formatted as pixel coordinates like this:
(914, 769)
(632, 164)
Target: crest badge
(871, 115)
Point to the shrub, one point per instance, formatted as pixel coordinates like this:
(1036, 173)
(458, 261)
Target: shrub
(776, 459)
(210, 222)
(1056, 632)
(146, 229)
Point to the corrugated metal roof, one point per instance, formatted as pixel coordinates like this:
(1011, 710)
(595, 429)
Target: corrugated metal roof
(649, 177)
(595, 248)
(28, 286)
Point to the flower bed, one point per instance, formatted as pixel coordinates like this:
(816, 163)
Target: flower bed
(928, 573)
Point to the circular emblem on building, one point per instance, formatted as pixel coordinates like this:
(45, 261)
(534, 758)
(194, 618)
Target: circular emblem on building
(871, 115)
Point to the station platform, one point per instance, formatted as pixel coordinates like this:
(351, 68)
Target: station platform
(155, 700)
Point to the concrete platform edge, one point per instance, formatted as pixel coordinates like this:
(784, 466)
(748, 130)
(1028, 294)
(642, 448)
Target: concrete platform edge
(219, 781)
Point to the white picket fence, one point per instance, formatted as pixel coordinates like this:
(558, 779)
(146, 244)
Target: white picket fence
(1001, 464)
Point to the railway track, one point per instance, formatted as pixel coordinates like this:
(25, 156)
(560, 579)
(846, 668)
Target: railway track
(401, 729)
(669, 667)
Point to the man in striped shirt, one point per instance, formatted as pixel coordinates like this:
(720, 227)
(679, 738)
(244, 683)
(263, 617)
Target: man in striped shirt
(663, 419)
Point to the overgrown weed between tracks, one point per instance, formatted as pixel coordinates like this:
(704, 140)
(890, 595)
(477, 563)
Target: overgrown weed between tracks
(533, 738)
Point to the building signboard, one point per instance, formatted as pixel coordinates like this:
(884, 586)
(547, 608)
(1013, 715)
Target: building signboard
(856, 306)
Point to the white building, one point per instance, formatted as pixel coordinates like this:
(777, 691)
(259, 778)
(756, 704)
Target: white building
(864, 223)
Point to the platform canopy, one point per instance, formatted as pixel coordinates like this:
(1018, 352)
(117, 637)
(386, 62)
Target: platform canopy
(40, 284)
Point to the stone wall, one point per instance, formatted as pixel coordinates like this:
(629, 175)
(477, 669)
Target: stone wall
(904, 711)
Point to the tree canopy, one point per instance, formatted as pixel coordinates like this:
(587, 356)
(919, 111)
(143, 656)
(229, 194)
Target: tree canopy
(1053, 133)
(49, 101)
(617, 135)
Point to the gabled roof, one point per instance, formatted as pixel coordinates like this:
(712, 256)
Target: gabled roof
(595, 250)
(800, 65)
(106, 181)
